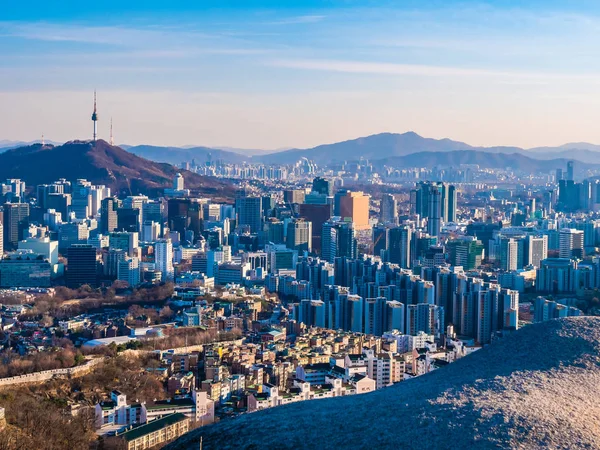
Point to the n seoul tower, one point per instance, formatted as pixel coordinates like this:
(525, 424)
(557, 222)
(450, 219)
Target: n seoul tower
(95, 117)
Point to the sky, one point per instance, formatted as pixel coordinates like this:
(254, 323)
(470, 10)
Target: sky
(259, 75)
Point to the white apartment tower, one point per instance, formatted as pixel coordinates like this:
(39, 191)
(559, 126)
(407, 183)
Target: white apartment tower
(163, 258)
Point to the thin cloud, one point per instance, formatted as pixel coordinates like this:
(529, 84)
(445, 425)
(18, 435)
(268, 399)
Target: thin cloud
(297, 20)
(381, 68)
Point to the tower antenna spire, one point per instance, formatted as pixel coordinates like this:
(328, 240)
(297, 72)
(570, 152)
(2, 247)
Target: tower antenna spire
(112, 141)
(95, 118)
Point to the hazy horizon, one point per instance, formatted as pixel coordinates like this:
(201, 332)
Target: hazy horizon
(257, 151)
(257, 75)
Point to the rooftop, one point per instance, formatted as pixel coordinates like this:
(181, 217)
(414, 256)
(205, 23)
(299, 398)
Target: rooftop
(153, 426)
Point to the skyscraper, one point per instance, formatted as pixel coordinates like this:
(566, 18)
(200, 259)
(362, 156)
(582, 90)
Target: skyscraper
(434, 215)
(388, 212)
(347, 246)
(436, 202)
(163, 258)
(299, 236)
(450, 202)
(178, 182)
(249, 213)
(338, 240)
(570, 171)
(317, 215)
(323, 186)
(81, 268)
(128, 219)
(291, 196)
(59, 202)
(381, 235)
(536, 250)
(354, 207)
(509, 249)
(466, 252)
(424, 318)
(108, 215)
(571, 243)
(15, 221)
(399, 246)
(329, 242)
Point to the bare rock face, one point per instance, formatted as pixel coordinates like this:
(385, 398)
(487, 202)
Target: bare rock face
(538, 388)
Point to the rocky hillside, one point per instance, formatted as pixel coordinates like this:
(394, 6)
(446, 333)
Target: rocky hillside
(538, 388)
(101, 163)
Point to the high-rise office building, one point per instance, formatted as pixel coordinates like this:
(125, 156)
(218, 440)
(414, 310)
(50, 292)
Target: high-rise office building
(354, 207)
(347, 245)
(108, 215)
(388, 211)
(82, 268)
(153, 211)
(177, 214)
(12, 191)
(449, 201)
(150, 231)
(15, 221)
(329, 237)
(195, 221)
(128, 219)
(128, 270)
(249, 213)
(434, 215)
(124, 240)
(435, 201)
(570, 170)
(291, 196)
(60, 202)
(466, 252)
(338, 240)
(536, 250)
(275, 231)
(163, 257)
(323, 186)
(399, 246)
(509, 254)
(299, 236)
(571, 243)
(381, 236)
(81, 199)
(317, 215)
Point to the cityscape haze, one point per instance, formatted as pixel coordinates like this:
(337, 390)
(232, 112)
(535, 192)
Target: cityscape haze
(245, 225)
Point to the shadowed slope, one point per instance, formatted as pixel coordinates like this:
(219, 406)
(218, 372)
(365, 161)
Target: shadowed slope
(101, 163)
(536, 388)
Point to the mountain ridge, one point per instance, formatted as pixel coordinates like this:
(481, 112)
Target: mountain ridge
(101, 163)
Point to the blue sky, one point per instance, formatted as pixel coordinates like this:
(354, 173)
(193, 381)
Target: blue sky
(261, 75)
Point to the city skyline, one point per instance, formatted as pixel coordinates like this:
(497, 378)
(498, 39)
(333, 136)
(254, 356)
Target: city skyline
(255, 75)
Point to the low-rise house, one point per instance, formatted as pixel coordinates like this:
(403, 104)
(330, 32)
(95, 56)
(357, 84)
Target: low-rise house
(155, 433)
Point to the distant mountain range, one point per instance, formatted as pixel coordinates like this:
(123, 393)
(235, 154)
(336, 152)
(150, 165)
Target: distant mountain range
(515, 161)
(380, 147)
(408, 149)
(377, 148)
(102, 163)
(536, 388)
(177, 155)
(6, 144)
